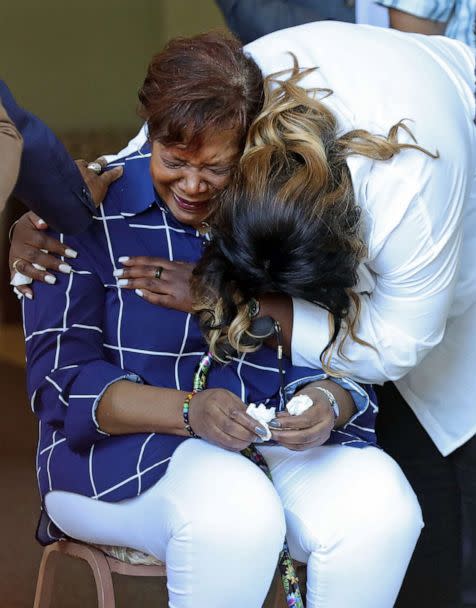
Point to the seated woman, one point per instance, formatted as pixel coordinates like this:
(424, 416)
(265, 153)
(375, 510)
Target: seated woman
(110, 378)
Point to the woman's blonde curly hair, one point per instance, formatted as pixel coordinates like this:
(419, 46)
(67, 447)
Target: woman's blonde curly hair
(289, 223)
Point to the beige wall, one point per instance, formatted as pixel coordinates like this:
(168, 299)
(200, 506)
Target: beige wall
(78, 64)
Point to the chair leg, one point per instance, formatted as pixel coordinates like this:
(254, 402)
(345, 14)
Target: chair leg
(46, 575)
(98, 564)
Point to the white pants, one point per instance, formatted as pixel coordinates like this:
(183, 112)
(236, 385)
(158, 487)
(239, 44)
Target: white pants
(219, 524)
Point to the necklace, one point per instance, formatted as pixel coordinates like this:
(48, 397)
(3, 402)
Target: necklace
(287, 571)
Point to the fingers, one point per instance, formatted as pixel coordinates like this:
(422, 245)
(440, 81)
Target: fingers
(156, 298)
(101, 161)
(303, 439)
(36, 220)
(157, 286)
(220, 416)
(146, 261)
(238, 416)
(29, 235)
(32, 271)
(98, 184)
(38, 265)
(309, 429)
(140, 272)
(110, 176)
(23, 290)
(222, 439)
(310, 418)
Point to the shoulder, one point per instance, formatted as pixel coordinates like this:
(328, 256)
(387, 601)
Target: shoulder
(134, 190)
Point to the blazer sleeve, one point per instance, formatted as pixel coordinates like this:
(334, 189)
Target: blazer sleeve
(10, 154)
(49, 182)
(250, 20)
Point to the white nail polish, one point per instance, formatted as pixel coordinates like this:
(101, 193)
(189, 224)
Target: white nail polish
(41, 222)
(38, 267)
(50, 279)
(119, 272)
(124, 258)
(139, 292)
(123, 282)
(29, 295)
(66, 268)
(71, 253)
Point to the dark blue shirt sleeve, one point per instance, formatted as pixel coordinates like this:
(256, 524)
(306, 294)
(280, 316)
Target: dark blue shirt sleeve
(67, 370)
(359, 430)
(49, 182)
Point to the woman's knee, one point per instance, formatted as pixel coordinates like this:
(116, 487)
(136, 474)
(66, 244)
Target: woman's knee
(221, 494)
(389, 498)
(353, 497)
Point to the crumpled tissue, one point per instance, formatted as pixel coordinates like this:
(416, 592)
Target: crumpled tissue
(262, 414)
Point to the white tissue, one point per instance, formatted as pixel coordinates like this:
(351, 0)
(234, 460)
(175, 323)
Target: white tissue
(299, 404)
(263, 415)
(20, 279)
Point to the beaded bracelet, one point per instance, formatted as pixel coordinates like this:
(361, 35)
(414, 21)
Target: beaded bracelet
(185, 412)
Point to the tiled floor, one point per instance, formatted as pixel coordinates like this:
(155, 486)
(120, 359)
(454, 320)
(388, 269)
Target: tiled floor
(19, 552)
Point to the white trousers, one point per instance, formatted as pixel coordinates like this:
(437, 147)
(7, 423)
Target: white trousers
(219, 524)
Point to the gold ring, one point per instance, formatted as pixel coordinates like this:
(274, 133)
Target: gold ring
(14, 265)
(158, 272)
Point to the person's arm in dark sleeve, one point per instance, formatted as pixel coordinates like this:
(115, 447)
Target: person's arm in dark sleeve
(250, 20)
(49, 182)
(10, 154)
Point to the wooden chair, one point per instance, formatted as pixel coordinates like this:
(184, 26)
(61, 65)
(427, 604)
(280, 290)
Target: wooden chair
(103, 565)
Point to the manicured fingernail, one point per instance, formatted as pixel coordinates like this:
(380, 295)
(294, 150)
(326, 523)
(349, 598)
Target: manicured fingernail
(71, 253)
(258, 440)
(261, 431)
(66, 268)
(38, 267)
(119, 272)
(28, 295)
(41, 222)
(123, 282)
(274, 424)
(124, 259)
(139, 292)
(50, 279)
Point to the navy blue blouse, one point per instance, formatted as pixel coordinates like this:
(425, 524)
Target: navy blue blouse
(84, 333)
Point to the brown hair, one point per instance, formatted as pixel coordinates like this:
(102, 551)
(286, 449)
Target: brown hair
(200, 83)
